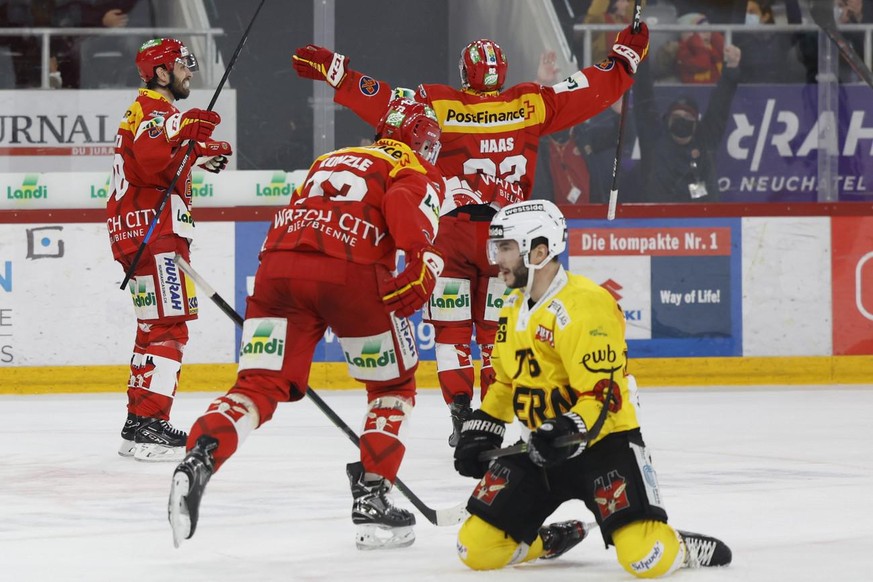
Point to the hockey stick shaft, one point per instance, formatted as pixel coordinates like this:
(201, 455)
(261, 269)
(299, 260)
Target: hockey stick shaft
(439, 517)
(188, 153)
(822, 12)
(564, 441)
(616, 162)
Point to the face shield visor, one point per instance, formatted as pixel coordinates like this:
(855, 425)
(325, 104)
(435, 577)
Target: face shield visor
(504, 250)
(188, 59)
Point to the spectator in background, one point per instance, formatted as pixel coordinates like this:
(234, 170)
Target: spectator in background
(607, 12)
(848, 12)
(718, 11)
(852, 12)
(699, 55)
(595, 142)
(678, 156)
(64, 64)
(806, 42)
(766, 52)
(561, 173)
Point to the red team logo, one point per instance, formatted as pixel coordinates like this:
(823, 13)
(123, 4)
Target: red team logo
(545, 335)
(601, 390)
(491, 485)
(369, 86)
(605, 65)
(610, 494)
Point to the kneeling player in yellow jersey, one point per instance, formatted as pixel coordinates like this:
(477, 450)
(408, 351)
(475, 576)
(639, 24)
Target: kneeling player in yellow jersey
(560, 359)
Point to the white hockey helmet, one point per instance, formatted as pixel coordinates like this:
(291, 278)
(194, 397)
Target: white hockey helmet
(525, 222)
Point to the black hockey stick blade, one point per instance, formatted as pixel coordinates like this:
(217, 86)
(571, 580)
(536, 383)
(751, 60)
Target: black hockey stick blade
(822, 12)
(439, 517)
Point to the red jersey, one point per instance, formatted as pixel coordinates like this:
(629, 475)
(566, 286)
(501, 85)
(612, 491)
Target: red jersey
(497, 133)
(361, 204)
(146, 159)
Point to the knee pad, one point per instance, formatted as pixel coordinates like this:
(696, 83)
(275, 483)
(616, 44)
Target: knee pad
(481, 546)
(264, 391)
(386, 415)
(454, 370)
(453, 356)
(648, 549)
(167, 340)
(230, 419)
(382, 447)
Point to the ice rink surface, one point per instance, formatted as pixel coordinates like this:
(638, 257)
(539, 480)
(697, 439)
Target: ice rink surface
(784, 475)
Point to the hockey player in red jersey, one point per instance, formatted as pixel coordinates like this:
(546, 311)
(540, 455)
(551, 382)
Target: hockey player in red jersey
(327, 261)
(490, 140)
(151, 142)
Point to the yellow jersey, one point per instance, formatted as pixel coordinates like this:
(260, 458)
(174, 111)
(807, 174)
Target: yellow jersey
(562, 354)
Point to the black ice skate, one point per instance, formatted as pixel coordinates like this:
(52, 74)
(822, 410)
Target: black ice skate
(380, 524)
(128, 444)
(559, 537)
(460, 411)
(704, 551)
(186, 491)
(158, 440)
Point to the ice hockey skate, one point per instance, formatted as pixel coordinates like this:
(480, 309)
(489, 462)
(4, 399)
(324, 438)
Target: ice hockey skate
(560, 537)
(380, 525)
(460, 411)
(128, 433)
(704, 551)
(157, 440)
(189, 482)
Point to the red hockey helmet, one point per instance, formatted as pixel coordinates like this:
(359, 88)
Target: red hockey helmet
(413, 123)
(483, 66)
(162, 51)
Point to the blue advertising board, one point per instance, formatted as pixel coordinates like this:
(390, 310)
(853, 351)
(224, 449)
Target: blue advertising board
(678, 282)
(773, 137)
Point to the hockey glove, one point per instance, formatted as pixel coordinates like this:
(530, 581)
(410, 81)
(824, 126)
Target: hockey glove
(542, 448)
(630, 48)
(408, 291)
(212, 155)
(195, 124)
(315, 62)
(482, 432)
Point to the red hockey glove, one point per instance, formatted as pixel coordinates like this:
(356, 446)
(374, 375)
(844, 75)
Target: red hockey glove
(630, 48)
(195, 124)
(408, 291)
(212, 155)
(315, 62)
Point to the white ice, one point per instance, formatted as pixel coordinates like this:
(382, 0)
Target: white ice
(782, 474)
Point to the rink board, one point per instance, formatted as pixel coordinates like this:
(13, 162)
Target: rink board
(734, 300)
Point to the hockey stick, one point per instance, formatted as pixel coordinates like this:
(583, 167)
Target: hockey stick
(616, 162)
(564, 441)
(439, 517)
(188, 152)
(822, 12)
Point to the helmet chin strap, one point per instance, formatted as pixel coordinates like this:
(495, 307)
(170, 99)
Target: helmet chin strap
(530, 273)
